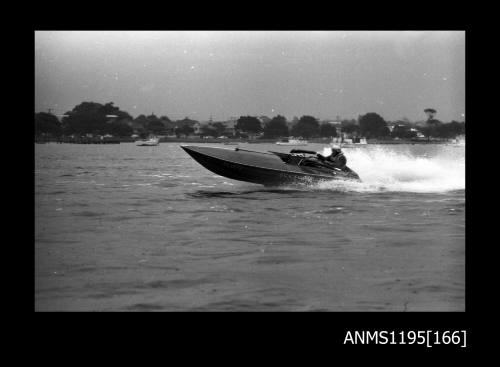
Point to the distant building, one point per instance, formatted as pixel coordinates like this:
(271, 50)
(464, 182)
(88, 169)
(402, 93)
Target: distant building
(197, 127)
(420, 123)
(230, 126)
(419, 134)
(264, 119)
(391, 126)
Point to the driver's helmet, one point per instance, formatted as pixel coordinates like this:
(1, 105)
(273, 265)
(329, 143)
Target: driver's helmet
(335, 149)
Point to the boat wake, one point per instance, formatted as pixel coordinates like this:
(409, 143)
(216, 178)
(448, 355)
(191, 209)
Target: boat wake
(383, 169)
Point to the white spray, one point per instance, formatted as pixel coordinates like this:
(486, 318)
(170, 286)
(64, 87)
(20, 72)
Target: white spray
(386, 168)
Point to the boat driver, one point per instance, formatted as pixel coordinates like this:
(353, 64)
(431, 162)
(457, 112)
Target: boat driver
(337, 158)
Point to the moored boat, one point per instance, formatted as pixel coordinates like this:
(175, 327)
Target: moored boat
(152, 141)
(292, 141)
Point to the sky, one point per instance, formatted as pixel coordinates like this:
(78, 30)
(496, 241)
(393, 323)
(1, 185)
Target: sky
(224, 74)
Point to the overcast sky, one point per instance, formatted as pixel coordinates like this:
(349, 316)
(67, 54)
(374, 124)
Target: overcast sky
(222, 74)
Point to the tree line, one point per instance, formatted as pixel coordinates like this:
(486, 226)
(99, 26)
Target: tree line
(101, 119)
(370, 125)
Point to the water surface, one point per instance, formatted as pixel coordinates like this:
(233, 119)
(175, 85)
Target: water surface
(127, 228)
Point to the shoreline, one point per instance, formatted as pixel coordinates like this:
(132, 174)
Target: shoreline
(230, 141)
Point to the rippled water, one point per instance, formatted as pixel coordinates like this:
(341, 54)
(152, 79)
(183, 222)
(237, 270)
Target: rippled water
(121, 227)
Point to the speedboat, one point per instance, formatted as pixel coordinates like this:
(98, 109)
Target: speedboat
(266, 168)
(152, 141)
(291, 141)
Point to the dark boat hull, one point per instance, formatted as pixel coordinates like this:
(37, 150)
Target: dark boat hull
(258, 167)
